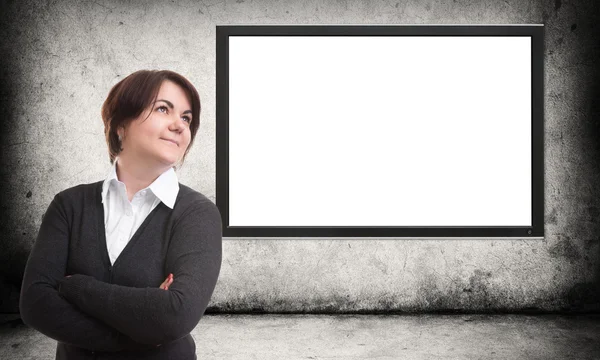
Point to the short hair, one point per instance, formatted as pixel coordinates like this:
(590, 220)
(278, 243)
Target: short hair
(132, 95)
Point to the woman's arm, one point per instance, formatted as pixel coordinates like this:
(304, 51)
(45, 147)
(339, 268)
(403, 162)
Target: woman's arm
(40, 304)
(153, 315)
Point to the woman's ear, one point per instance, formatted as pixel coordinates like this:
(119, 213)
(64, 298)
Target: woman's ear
(120, 137)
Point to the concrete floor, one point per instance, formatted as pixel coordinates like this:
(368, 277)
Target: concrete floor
(380, 337)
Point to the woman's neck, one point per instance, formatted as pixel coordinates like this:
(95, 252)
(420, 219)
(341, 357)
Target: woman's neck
(137, 175)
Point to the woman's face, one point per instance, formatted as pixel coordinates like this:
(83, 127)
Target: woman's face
(162, 138)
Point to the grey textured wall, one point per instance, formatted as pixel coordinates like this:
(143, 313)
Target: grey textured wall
(60, 58)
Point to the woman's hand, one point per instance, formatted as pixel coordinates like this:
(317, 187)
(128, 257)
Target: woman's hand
(165, 285)
(168, 281)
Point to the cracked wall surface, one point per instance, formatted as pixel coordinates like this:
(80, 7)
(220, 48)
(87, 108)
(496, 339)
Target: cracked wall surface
(60, 59)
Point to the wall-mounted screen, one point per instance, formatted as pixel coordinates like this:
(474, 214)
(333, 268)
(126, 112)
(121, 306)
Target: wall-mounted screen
(380, 131)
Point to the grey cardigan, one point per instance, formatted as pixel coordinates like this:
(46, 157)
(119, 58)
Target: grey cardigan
(119, 311)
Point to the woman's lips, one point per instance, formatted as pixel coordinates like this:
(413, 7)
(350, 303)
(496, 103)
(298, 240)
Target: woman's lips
(171, 141)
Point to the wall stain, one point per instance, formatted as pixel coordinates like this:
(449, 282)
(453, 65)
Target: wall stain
(593, 213)
(551, 219)
(474, 295)
(583, 297)
(588, 244)
(478, 289)
(564, 249)
(380, 265)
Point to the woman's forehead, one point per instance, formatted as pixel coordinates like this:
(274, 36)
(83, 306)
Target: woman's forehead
(174, 93)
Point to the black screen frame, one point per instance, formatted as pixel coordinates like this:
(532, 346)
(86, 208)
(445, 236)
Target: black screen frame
(536, 32)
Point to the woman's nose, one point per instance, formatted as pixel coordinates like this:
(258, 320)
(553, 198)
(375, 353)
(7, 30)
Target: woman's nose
(177, 123)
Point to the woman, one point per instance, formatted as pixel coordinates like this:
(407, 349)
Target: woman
(124, 268)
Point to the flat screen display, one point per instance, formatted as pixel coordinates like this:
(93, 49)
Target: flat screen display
(358, 131)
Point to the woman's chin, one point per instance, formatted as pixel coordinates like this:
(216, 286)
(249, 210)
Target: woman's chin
(167, 161)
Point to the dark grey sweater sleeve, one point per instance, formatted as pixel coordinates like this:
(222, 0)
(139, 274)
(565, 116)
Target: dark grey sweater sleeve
(152, 315)
(40, 304)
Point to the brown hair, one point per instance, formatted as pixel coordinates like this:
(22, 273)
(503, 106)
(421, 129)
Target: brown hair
(132, 95)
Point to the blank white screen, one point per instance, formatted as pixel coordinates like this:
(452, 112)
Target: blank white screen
(379, 131)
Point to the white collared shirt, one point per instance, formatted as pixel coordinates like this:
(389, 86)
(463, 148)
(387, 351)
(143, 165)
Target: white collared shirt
(122, 218)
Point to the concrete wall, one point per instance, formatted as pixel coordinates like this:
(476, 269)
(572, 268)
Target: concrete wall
(60, 58)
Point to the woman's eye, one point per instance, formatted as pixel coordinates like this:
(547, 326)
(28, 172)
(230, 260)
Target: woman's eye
(185, 118)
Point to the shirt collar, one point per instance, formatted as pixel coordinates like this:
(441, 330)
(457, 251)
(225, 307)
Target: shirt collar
(165, 187)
